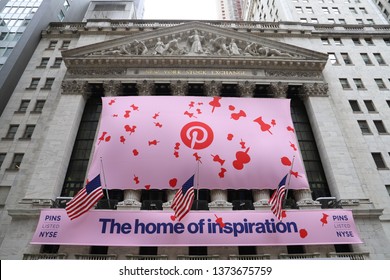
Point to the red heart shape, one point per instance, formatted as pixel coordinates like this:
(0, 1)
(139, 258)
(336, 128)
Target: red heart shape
(147, 187)
(173, 218)
(135, 152)
(303, 233)
(232, 108)
(284, 215)
(173, 182)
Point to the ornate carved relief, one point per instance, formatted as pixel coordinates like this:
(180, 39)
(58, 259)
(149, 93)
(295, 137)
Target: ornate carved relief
(195, 42)
(315, 89)
(293, 74)
(213, 88)
(246, 88)
(97, 72)
(179, 88)
(112, 88)
(278, 90)
(76, 87)
(145, 87)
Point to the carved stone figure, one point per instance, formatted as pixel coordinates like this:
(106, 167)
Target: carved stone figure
(172, 47)
(251, 49)
(219, 45)
(159, 47)
(196, 46)
(234, 49)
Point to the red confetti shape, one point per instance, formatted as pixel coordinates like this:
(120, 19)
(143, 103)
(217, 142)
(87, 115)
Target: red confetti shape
(173, 218)
(127, 114)
(115, 115)
(108, 138)
(295, 174)
(242, 143)
(112, 101)
(191, 115)
(122, 139)
(158, 124)
(293, 146)
(273, 122)
(237, 116)
(230, 137)
(263, 126)
(135, 108)
(101, 138)
(286, 161)
(156, 115)
(324, 219)
(147, 187)
(177, 146)
(153, 142)
(176, 154)
(130, 129)
(191, 105)
(219, 221)
(136, 180)
(284, 214)
(232, 108)
(242, 158)
(197, 157)
(222, 173)
(303, 233)
(173, 182)
(215, 102)
(289, 128)
(216, 158)
(135, 152)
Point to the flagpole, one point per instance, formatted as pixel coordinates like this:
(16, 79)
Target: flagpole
(197, 187)
(289, 179)
(105, 184)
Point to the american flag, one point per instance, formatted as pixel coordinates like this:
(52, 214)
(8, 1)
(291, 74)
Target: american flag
(277, 198)
(85, 199)
(183, 199)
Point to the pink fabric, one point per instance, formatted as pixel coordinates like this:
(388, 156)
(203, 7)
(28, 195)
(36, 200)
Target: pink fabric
(158, 142)
(199, 228)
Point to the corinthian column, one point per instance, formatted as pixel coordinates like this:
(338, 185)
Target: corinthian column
(112, 88)
(278, 90)
(179, 88)
(131, 200)
(246, 89)
(213, 88)
(261, 198)
(145, 87)
(219, 201)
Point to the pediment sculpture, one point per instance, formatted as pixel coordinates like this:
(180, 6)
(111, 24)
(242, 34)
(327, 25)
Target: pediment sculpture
(194, 43)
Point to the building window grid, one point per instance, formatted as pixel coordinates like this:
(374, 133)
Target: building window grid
(364, 127)
(29, 130)
(359, 83)
(13, 128)
(379, 161)
(380, 83)
(23, 106)
(16, 161)
(370, 106)
(380, 127)
(346, 58)
(39, 106)
(344, 83)
(366, 59)
(379, 59)
(355, 106)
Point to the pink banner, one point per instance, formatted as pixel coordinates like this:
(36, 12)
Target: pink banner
(199, 228)
(158, 142)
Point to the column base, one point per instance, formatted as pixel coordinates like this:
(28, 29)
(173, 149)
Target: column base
(129, 204)
(220, 205)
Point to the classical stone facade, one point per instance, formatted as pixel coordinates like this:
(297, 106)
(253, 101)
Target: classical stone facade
(247, 60)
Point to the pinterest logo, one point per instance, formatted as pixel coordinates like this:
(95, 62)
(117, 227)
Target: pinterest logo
(197, 135)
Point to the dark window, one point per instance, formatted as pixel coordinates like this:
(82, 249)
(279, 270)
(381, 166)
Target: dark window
(28, 131)
(364, 127)
(2, 157)
(344, 83)
(65, 44)
(11, 131)
(378, 159)
(52, 44)
(355, 105)
(44, 62)
(75, 176)
(34, 83)
(379, 58)
(380, 126)
(380, 83)
(16, 161)
(311, 158)
(48, 83)
(359, 83)
(346, 58)
(57, 62)
(39, 106)
(366, 59)
(370, 106)
(23, 106)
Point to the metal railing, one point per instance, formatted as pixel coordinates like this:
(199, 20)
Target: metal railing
(250, 257)
(299, 256)
(95, 257)
(45, 256)
(146, 257)
(349, 255)
(198, 257)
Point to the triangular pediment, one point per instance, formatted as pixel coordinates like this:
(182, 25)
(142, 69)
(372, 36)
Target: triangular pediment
(194, 40)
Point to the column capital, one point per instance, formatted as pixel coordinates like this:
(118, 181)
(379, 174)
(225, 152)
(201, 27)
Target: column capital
(213, 88)
(112, 88)
(75, 87)
(278, 90)
(145, 87)
(315, 89)
(179, 88)
(246, 88)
